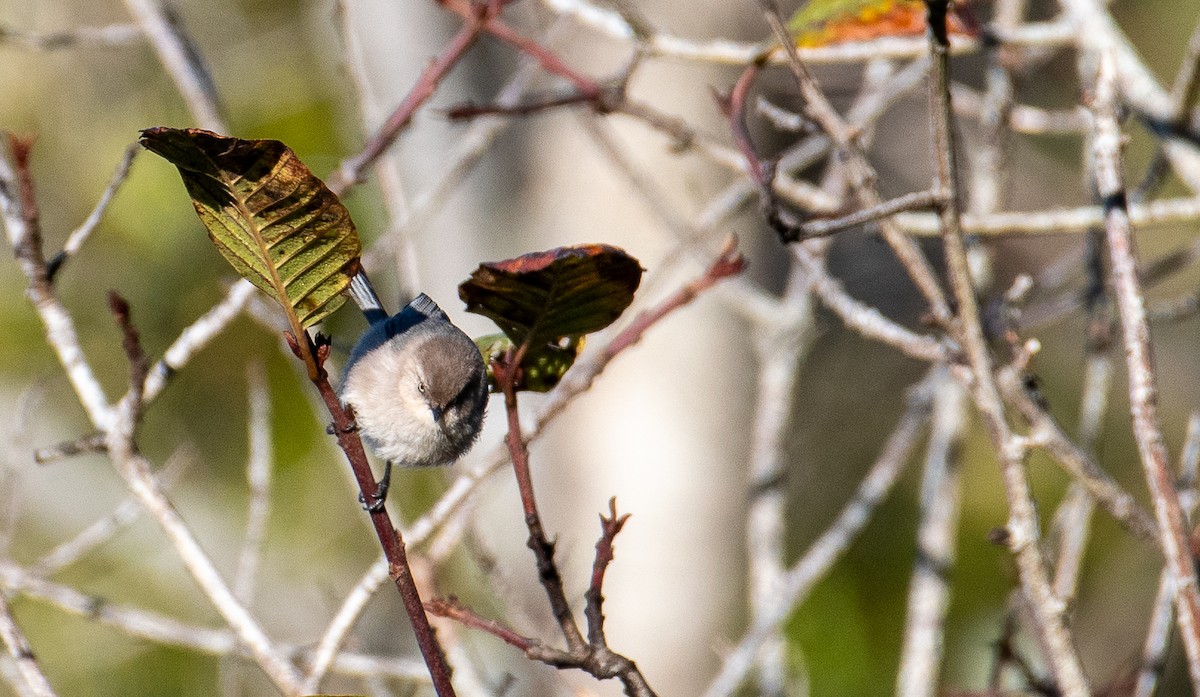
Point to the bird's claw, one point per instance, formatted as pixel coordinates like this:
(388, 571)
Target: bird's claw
(379, 498)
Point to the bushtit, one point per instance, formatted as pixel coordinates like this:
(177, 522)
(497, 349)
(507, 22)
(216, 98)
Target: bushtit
(416, 382)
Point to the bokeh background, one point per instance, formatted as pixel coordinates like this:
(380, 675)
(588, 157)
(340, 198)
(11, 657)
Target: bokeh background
(666, 429)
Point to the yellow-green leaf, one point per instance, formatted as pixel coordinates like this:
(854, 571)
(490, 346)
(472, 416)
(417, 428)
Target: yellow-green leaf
(825, 22)
(279, 226)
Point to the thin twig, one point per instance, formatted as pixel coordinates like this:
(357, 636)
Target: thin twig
(18, 650)
(1072, 519)
(80, 234)
(1158, 633)
(196, 336)
(1143, 391)
(781, 346)
(91, 443)
(929, 591)
(259, 464)
(387, 169)
(158, 628)
(1098, 33)
(107, 36)
(451, 608)
(1022, 118)
(182, 59)
(1023, 535)
(1057, 221)
(1183, 94)
(917, 200)
(610, 527)
(862, 318)
(353, 605)
(139, 362)
(1075, 460)
(860, 175)
(23, 227)
(105, 529)
(467, 151)
(352, 169)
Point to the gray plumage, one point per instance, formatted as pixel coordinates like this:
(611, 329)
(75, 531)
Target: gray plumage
(415, 381)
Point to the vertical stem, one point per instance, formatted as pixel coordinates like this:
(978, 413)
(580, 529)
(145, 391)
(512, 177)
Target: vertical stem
(1143, 391)
(1023, 535)
(929, 594)
(781, 347)
(389, 538)
(543, 549)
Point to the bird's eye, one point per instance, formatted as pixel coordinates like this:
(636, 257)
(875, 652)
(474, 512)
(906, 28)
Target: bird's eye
(421, 387)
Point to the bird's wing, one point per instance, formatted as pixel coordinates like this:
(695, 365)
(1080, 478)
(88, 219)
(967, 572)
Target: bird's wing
(426, 306)
(421, 309)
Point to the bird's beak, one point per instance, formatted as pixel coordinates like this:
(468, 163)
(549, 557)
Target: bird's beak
(437, 413)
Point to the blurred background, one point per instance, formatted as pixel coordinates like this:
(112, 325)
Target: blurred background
(666, 429)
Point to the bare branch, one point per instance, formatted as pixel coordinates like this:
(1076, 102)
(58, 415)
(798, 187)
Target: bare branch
(108, 36)
(1143, 391)
(1158, 634)
(158, 628)
(17, 646)
(929, 591)
(80, 234)
(258, 475)
(178, 53)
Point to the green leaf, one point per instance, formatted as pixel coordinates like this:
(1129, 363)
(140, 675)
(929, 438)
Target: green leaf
(268, 215)
(542, 367)
(541, 297)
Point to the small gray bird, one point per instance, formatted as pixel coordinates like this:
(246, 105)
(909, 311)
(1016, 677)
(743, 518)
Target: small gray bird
(416, 382)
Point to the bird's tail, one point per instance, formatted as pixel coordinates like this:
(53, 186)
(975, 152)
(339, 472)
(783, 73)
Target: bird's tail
(364, 295)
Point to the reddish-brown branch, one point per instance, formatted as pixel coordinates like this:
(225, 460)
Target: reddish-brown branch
(471, 111)
(507, 373)
(479, 18)
(29, 250)
(762, 171)
(389, 537)
(493, 25)
(451, 608)
(762, 174)
(609, 527)
(351, 170)
(139, 362)
(728, 263)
